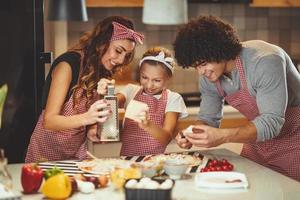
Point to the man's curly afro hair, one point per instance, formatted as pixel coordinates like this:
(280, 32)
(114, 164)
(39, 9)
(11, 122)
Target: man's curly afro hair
(206, 39)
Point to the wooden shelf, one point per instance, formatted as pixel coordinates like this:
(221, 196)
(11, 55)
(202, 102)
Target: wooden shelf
(275, 3)
(114, 3)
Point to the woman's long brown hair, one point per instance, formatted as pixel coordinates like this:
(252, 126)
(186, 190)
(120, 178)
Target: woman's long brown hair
(92, 46)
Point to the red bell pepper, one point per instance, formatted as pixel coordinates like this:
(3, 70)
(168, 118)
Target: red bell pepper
(31, 178)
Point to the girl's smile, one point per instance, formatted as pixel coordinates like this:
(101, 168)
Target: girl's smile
(153, 78)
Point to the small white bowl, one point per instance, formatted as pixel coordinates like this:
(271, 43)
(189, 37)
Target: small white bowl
(149, 169)
(175, 168)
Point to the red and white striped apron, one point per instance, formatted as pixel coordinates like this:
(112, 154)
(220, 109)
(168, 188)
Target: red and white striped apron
(136, 141)
(58, 145)
(281, 153)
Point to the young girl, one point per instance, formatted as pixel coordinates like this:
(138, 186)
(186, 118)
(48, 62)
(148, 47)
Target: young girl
(156, 127)
(70, 105)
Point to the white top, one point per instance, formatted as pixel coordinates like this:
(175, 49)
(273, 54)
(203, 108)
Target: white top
(175, 101)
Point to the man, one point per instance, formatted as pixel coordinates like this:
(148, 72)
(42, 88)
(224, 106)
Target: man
(257, 78)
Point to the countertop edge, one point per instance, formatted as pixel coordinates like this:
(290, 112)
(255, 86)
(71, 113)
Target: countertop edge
(228, 112)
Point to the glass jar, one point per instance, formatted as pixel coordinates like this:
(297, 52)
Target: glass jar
(5, 177)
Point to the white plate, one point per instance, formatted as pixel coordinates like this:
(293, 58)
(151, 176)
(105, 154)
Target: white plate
(102, 166)
(221, 180)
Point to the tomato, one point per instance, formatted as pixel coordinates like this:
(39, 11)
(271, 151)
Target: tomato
(230, 167)
(218, 165)
(224, 161)
(214, 162)
(205, 169)
(225, 168)
(218, 168)
(212, 169)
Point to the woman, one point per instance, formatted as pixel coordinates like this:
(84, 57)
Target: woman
(70, 90)
(257, 78)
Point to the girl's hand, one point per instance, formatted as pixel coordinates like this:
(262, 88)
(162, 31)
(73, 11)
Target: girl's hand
(102, 85)
(182, 142)
(205, 136)
(98, 112)
(92, 133)
(143, 119)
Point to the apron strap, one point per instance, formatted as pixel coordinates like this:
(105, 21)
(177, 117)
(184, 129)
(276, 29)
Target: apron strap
(239, 65)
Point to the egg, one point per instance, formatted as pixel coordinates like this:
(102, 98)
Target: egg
(131, 183)
(145, 180)
(152, 185)
(85, 187)
(167, 184)
(140, 185)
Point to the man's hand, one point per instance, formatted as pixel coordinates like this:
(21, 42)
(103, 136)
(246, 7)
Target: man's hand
(205, 136)
(182, 142)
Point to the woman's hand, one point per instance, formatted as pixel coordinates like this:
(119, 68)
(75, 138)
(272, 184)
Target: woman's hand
(98, 112)
(102, 85)
(182, 142)
(205, 136)
(92, 133)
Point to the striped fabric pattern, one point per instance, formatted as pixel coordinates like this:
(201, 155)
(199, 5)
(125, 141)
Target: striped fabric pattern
(70, 168)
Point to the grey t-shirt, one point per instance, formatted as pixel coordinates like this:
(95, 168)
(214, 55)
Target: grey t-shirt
(271, 78)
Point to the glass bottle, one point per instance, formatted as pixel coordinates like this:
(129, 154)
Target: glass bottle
(109, 130)
(5, 177)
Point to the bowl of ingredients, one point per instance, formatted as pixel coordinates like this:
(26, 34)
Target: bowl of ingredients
(149, 169)
(175, 168)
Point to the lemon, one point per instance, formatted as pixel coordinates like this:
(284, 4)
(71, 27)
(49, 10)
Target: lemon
(57, 187)
(132, 173)
(119, 176)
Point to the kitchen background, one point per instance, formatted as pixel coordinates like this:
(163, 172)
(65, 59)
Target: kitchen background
(27, 33)
(280, 26)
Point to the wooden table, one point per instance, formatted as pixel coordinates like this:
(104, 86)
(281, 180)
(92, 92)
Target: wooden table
(263, 184)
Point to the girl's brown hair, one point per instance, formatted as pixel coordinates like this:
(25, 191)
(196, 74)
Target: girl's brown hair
(92, 46)
(154, 52)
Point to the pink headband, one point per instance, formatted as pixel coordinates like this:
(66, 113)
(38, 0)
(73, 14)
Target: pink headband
(122, 32)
